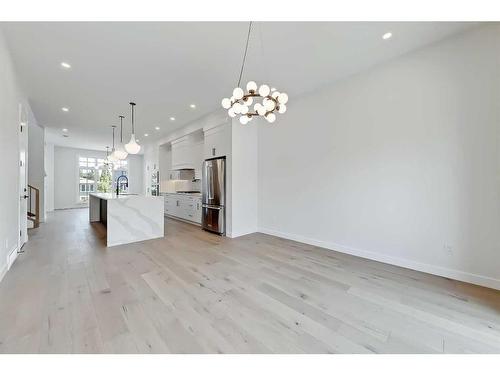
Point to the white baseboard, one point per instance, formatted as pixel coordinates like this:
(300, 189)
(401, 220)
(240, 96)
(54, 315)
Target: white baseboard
(459, 275)
(3, 271)
(11, 257)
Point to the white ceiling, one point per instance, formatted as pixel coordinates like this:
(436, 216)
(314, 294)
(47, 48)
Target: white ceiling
(166, 66)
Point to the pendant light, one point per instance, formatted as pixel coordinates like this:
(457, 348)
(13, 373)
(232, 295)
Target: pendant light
(106, 159)
(120, 152)
(132, 147)
(112, 158)
(240, 103)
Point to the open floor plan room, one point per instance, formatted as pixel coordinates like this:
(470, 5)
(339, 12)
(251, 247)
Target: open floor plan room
(250, 187)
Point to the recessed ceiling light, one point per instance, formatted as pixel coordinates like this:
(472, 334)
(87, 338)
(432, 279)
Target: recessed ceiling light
(65, 130)
(146, 134)
(193, 106)
(387, 36)
(172, 118)
(65, 109)
(65, 65)
(157, 127)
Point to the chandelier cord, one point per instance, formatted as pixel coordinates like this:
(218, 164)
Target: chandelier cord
(245, 55)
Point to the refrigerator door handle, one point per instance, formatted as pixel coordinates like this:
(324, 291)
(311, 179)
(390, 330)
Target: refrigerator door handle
(209, 181)
(212, 207)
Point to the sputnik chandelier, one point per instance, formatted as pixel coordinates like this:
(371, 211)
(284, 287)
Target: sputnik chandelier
(241, 102)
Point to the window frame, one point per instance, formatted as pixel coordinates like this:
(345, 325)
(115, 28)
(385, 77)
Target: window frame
(96, 165)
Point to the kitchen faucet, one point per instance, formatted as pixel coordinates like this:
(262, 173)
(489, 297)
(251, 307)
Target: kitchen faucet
(118, 183)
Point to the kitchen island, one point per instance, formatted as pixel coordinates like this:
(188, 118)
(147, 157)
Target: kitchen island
(127, 218)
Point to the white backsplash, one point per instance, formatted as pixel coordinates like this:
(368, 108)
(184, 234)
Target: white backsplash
(172, 186)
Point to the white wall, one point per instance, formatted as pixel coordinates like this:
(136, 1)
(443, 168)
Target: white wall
(165, 161)
(66, 174)
(36, 161)
(49, 176)
(400, 163)
(10, 98)
(243, 178)
(151, 161)
(135, 178)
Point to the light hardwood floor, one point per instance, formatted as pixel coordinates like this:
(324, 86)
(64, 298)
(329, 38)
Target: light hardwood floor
(194, 292)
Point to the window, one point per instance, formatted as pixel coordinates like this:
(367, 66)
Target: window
(97, 175)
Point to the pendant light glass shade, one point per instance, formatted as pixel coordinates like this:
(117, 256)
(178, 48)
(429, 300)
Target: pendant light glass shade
(132, 147)
(120, 152)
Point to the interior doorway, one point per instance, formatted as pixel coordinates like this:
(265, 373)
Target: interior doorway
(23, 177)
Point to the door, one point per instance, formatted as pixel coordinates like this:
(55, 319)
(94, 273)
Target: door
(23, 185)
(212, 218)
(214, 182)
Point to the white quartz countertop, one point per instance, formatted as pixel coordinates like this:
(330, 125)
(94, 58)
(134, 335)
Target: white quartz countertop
(180, 193)
(109, 196)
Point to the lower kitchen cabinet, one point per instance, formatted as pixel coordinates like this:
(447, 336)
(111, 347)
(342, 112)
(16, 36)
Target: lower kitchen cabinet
(182, 206)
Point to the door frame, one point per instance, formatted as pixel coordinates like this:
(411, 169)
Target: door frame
(22, 127)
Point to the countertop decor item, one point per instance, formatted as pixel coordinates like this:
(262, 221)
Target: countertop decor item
(241, 102)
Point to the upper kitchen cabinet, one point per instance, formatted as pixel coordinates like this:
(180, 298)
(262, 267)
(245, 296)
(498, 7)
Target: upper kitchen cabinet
(217, 141)
(186, 152)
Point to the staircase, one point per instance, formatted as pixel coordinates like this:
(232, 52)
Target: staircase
(34, 206)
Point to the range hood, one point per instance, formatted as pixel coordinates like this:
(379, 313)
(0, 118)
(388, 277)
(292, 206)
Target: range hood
(181, 174)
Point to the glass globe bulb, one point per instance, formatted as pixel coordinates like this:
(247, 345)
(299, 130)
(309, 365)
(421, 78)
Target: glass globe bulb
(257, 106)
(244, 120)
(269, 104)
(226, 103)
(244, 110)
(282, 108)
(275, 94)
(238, 93)
(264, 90)
(132, 147)
(271, 117)
(237, 107)
(231, 113)
(262, 110)
(282, 98)
(249, 101)
(251, 86)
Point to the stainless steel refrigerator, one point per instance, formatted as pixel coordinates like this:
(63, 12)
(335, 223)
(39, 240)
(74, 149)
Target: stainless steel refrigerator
(213, 189)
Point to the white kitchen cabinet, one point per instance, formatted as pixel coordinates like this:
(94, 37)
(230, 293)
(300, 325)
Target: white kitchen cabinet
(217, 141)
(171, 205)
(183, 206)
(181, 157)
(187, 152)
(197, 151)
